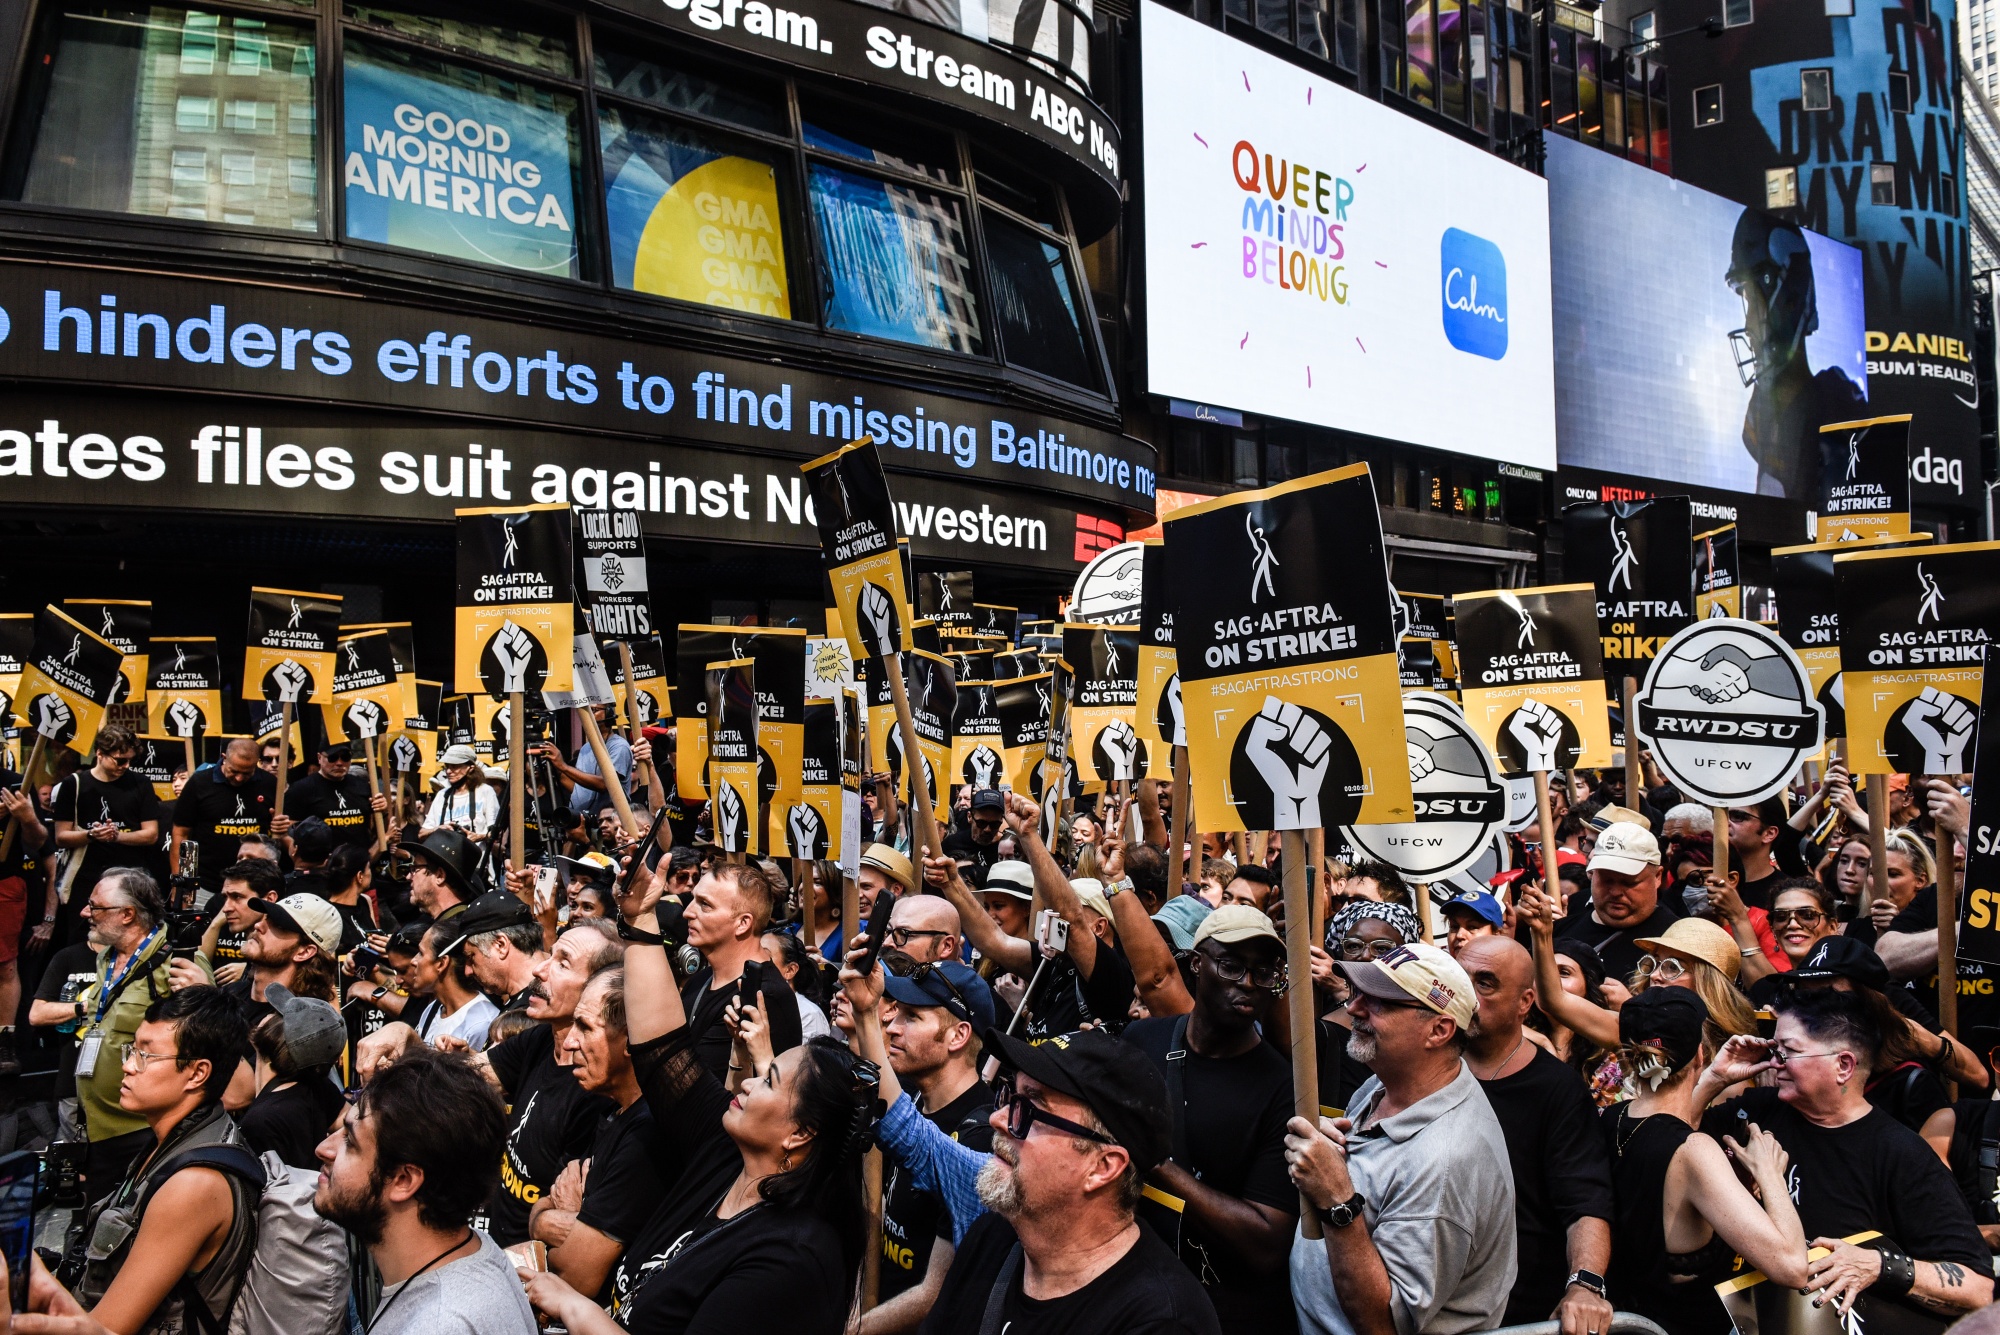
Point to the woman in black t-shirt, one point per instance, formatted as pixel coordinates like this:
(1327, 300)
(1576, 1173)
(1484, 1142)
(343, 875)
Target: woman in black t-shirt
(766, 1194)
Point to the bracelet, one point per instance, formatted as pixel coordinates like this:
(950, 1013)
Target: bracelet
(1899, 1272)
(627, 932)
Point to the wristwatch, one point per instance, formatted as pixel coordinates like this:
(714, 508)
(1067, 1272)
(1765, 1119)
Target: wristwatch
(627, 932)
(1342, 1213)
(1588, 1279)
(378, 994)
(1112, 888)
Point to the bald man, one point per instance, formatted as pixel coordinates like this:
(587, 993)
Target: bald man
(1562, 1171)
(926, 928)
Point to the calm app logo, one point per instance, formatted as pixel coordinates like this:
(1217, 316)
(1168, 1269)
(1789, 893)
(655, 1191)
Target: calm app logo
(1473, 274)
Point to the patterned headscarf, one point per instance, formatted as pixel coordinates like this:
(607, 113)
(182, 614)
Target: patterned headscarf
(1398, 917)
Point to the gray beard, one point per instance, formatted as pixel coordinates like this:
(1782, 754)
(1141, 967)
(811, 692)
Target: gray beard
(1000, 1190)
(1362, 1047)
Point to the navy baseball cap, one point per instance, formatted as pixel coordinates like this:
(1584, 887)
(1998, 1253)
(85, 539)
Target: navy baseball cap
(956, 987)
(1478, 901)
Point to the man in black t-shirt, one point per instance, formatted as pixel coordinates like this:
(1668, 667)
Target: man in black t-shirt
(1562, 1176)
(976, 846)
(932, 1019)
(726, 918)
(339, 797)
(1229, 1096)
(1624, 899)
(1853, 1167)
(107, 815)
(53, 1011)
(220, 806)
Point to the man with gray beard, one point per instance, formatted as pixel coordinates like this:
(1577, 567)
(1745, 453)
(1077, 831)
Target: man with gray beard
(1048, 1243)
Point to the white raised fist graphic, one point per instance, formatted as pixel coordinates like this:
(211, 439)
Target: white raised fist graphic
(1538, 729)
(52, 715)
(366, 717)
(1121, 745)
(728, 818)
(1294, 780)
(984, 763)
(804, 826)
(513, 649)
(184, 718)
(879, 613)
(404, 755)
(1942, 723)
(1177, 734)
(291, 678)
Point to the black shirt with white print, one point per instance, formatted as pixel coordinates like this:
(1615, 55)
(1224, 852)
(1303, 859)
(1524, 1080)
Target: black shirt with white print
(341, 806)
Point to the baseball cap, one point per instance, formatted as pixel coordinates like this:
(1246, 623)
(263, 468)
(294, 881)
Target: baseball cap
(1625, 848)
(489, 913)
(1181, 916)
(1011, 878)
(1417, 972)
(337, 751)
(989, 799)
(1607, 817)
(1091, 891)
(956, 987)
(593, 867)
(891, 864)
(1478, 901)
(304, 915)
(1236, 922)
(1668, 1019)
(1701, 939)
(314, 1030)
(1113, 1078)
(458, 754)
(1840, 957)
(311, 840)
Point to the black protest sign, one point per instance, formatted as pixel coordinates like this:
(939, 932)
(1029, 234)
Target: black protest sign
(1460, 800)
(516, 600)
(1808, 613)
(1728, 711)
(183, 687)
(695, 647)
(1718, 578)
(1914, 625)
(813, 822)
(976, 749)
(367, 694)
(1023, 705)
(933, 692)
(1417, 664)
(70, 677)
(1156, 715)
(430, 707)
(1979, 921)
(127, 624)
(1865, 487)
(403, 654)
(731, 688)
(611, 583)
(649, 680)
(945, 596)
(995, 619)
(1531, 676)
(858, 546)
(288, 652)
(779, 658)
(1103, 696)
(1286, 643)
(1635, 553)
(456, 720)
(17, 642)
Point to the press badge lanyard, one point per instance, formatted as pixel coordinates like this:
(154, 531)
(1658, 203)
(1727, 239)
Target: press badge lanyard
(108, 987)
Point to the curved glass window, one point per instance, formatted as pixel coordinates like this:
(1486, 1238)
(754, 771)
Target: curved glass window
(895, 261)
(1035, 303)
(691, 219)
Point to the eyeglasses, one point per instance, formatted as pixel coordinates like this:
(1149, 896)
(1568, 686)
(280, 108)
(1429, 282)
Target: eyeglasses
(924, 972)
(128, 1053)
(1784, 1057)
(1022, 1115)
(1355, 948)
(1232, 970)
(1803, 917)
(1665, 970)
(900, 936)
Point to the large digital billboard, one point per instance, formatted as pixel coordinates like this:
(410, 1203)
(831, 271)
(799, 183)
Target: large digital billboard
(1314, 255)
(1696, 341)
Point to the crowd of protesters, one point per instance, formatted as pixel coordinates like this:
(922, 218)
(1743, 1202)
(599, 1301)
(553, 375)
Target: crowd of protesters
(341, 1070)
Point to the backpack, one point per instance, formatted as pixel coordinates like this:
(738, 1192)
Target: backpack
(296, 1283)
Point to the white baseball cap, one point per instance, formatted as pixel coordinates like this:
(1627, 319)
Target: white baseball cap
(1625, 848)
(1421, 973)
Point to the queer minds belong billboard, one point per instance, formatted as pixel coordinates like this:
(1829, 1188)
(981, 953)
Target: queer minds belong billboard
(1673, 361)
(1313, 255)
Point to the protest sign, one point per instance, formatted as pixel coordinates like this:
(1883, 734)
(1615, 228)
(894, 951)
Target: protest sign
(857, 534)
(995, 619)
(829, 666)
(1635, 554)
(1728, 712)
(813, 822)
(183, 688)
(1979, 927)
(1156, 711)
(611, 585)
(945, 596)
(288, 652)
(648, 701)
(516, 609)
(1531, 677)
(1757, 1306)
(403, 654)
(1455, 783)
(976, 745)
(456, 720)
(158, 759)
(1056, 768)
(367, 700)
(779, 653)
(127, 624)
(695, 646)
(1865, 491)
(1103, 696)
(933, 699)
(71, 676)
(1808, 613)
(1416, 664)
(1718, 579)
(1023, 705)
(732, 753)
(590, 680)
(17, 641)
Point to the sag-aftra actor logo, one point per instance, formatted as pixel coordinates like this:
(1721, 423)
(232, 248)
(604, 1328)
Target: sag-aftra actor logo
(1473, 278)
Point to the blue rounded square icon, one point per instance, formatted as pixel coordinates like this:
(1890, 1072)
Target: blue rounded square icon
(1473, 279)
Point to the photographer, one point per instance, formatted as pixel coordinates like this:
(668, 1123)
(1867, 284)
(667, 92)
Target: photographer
(588, 794)
(467, 803)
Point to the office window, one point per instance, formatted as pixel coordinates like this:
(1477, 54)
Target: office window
(1644, 28)
(896, 261)
(191, 86)
(1899, 93)
(1781, 187)
(1882, 183)
(1708, 105)
(549, 53)
(1816, 89)
(737, 98)
(1036, 306)
(1736, 13)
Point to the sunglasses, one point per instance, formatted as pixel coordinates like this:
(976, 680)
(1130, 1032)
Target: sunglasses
(1803, 917)
(1022, 1116)
(958, 1005)
(1269, 977)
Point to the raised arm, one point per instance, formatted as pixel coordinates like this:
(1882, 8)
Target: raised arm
(1009, 952)
(1153, 969)
(1025, 819)
(1595, 1023)
(652, 1002)
(1767, 1234)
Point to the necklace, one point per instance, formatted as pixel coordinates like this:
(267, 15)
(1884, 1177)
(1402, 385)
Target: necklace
(1626, 1120)
(384, 1308)
(1503, 1061)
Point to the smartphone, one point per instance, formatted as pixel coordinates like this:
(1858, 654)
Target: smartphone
(1052, 931)
(1767, 1024)
(878, 931)
(19, 1174)
(753, 982)
(641, 865)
